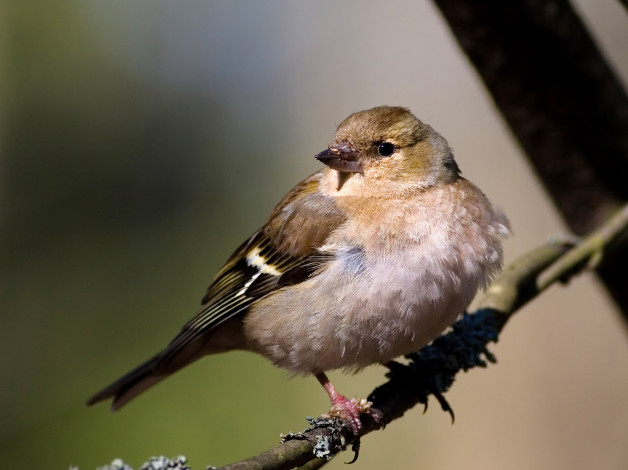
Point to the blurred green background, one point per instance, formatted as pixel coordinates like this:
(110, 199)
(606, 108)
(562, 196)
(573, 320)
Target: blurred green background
(142, 141)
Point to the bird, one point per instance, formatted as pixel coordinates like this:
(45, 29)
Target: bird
(368, 259)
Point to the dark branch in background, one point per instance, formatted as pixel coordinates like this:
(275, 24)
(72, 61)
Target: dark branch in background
(563, 103)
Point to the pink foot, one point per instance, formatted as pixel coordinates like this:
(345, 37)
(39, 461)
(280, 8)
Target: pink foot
(349, 410)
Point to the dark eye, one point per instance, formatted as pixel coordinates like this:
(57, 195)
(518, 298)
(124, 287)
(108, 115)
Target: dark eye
(386, 149)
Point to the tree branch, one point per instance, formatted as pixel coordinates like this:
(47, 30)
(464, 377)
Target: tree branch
(563, 103)
(432, 370)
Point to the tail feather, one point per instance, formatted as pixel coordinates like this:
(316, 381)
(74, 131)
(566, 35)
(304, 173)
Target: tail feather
(130, 385)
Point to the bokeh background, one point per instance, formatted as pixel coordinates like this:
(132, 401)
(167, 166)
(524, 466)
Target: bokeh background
(142, 141)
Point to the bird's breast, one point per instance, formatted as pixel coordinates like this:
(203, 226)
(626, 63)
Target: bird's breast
(386, 290)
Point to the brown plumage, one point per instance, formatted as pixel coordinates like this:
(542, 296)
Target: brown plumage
(367, 259)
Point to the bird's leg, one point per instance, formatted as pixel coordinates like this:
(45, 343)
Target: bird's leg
(349, 410)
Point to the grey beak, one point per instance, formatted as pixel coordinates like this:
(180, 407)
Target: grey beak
(343, 159)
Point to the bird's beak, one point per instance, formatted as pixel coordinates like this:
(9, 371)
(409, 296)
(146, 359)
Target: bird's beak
(343, 159)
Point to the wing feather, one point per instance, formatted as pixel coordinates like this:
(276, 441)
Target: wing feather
(267, 261)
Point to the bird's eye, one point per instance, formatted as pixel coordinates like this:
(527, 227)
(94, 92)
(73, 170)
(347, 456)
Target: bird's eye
(386, 149)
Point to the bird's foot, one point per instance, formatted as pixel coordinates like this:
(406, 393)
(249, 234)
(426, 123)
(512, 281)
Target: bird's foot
(350, 411)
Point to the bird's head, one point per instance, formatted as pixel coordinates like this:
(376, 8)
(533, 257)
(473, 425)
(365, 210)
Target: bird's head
(388, 149)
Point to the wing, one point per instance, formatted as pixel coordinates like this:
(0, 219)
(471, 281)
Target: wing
(270, 259)
(283, 253)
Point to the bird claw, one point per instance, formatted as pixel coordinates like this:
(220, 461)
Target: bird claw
(444, 404)
(350, 411)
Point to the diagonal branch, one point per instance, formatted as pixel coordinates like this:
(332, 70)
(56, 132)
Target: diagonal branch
(432, 370)
(563, 103)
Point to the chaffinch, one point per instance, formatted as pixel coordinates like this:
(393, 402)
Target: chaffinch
(366, 260)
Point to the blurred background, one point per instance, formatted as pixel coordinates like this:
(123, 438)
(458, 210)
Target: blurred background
(141, 142)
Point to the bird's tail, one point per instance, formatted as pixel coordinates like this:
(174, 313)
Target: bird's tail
(130, 385)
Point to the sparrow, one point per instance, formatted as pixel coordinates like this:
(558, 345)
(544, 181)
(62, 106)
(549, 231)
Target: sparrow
(368, 259)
